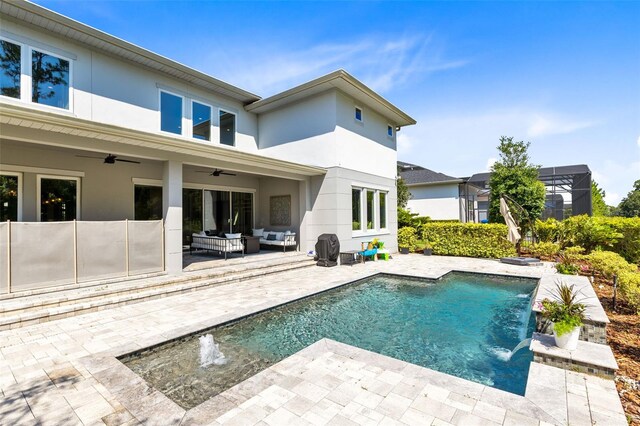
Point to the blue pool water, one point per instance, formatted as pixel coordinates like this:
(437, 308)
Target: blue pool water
(460, 325)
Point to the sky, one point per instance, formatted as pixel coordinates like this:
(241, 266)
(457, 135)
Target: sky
(564, 76)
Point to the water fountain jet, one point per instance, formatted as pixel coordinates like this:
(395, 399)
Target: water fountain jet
(210, 352)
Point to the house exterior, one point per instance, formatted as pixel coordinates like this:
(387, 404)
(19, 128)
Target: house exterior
(443, 197)
(93, 128)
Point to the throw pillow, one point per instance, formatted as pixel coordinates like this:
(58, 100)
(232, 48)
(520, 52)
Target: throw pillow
(271, 237)
(233, 235)
(258, 232)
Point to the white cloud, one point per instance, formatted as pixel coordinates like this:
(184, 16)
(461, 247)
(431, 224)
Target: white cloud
(380, 64)
(490, 162)
(612, 199)
(554, 124)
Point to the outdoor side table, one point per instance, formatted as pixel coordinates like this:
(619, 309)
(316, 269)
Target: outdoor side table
(351, 257)
(251, 244)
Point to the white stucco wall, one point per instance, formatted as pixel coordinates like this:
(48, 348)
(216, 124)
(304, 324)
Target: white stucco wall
(113, 91)
(322, 131)
(331, 209)
(436, 201)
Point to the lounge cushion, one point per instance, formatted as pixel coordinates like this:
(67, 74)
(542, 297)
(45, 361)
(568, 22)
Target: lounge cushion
(238, 235)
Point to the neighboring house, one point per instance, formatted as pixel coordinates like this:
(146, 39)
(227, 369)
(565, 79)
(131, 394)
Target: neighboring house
(466, 199)
(433, 194)
(313, 159)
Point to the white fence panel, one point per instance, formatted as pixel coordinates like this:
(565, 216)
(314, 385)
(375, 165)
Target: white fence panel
(4, 259)
(42, 255)
(101, 250)
(145, 246)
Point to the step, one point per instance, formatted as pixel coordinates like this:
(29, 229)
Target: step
(105, 289)
(591, 358)
(120, 299)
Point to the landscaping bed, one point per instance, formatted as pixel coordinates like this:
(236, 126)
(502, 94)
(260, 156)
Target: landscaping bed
(623, 334)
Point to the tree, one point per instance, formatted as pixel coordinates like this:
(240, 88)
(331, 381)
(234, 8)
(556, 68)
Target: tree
(516, 177)
(403, 192)
(598, 206)
(630, 205)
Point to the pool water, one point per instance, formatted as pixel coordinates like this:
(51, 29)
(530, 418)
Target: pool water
(462, 325)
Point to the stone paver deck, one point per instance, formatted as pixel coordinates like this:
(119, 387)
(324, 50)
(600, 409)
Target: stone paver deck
(64, 372)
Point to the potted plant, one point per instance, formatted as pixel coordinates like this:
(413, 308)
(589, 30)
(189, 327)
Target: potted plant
(427, 249)
(566, 314)
(406, 239)
(403, 250)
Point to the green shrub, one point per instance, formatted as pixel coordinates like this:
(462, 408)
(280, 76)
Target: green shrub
(468, 239)
(407, 237)
(629, 227)
(588, 232)
(547, 230)
(609, 263)
(545, 249)
(629, 284)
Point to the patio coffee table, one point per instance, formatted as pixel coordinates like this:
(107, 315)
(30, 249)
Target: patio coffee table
(350, 257)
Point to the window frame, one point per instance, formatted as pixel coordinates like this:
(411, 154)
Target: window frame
(211, 109)
(182, 108)
(20, 192)
(386, 211)
(29, 69)
(364, 231)
(39, 178)
(393, 131)
(235, 127)
(355, 114)
(23, 47)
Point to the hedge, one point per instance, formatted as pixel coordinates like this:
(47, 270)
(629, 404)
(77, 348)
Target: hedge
(618, 234)
(608, 264)
(468, 239)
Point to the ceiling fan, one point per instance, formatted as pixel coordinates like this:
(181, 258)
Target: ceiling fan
(109, 159)
(217, 172)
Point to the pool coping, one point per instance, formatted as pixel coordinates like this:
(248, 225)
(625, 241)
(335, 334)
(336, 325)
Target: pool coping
(148, 404)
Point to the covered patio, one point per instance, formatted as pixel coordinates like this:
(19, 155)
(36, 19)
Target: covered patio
(63, 169)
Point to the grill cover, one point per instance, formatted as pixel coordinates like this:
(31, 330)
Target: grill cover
(327, 250)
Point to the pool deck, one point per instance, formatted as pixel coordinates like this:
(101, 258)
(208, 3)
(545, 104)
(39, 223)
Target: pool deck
(64, 372)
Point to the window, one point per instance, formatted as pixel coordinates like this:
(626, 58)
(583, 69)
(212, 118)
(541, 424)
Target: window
(383, 210)
(58, 199)
(358, 114)
(227, 128)
(356, 216)
(147, 202)
(370, 205)
(201, 118)
(370, 210)
(390, 131)
(9, 198)
(170, 113)
(49, 80)
(10, 69)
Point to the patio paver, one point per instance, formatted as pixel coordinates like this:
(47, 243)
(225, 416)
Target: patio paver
(63, 371)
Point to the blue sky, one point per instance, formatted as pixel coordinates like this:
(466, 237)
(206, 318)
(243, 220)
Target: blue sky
(563, 75)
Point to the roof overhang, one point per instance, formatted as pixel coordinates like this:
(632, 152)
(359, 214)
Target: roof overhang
(444, 182)
(52, 22)
(342, 81)
(162, 147)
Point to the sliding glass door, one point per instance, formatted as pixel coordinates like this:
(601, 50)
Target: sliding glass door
(242, 208)
(217, 212)
(191, 213)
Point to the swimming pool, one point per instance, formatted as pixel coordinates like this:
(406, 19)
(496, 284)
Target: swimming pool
(462, 325)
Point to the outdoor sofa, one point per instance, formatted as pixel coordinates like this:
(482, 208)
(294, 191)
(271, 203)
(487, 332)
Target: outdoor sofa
(276, 239)
(231, 244)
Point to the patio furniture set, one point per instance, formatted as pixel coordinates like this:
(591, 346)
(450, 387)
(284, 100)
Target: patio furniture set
(238, 243)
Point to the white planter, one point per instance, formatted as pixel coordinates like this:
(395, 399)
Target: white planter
(569, 340)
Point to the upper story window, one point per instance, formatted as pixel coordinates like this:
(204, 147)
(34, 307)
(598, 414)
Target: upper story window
(358, 115)
(10, 69)
(50, 80)
(389, 131)
(170, 113)
(201, 118)
(227, 128)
